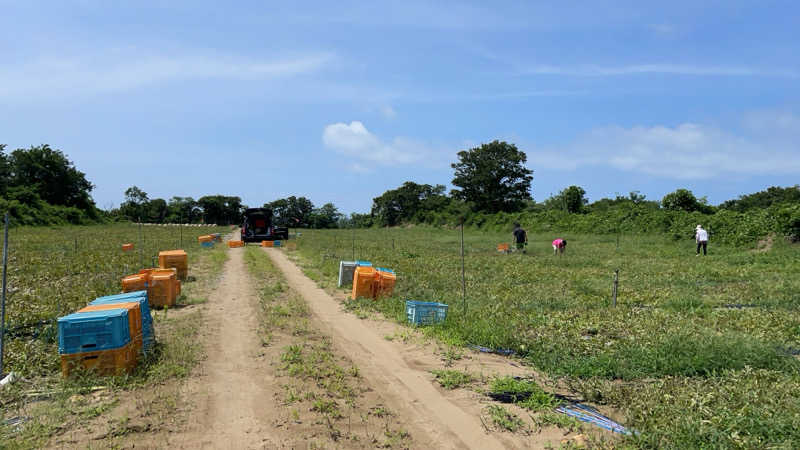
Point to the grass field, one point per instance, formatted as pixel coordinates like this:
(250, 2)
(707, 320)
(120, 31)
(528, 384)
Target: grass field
(698, 352)
(53, 271)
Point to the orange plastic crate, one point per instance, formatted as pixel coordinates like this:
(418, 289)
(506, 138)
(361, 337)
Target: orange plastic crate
(136, 282)
(104, 362)
(205, 238)
(384, 285)
(502, 248)
(134, 318)
(176, 259)
(234, 244)
(127, 247)
(267, 243)
(163, 288)
(364, 282)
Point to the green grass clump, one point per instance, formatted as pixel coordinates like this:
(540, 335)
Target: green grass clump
(505, 419)
(452, 379)
(525, 393)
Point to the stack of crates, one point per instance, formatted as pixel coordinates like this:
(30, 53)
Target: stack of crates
(162, 285)
(164, 288)
(98, 340)
(206, 240)
(176, 259)
(266, 243)
(148, 332)
(363, 282)
(384, 283)
(347, 271)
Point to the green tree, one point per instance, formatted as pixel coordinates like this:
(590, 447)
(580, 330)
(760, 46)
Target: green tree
(54, 177)
(135, 205)
(183, 210)
(221, 209)
(326, 216)
(684, 200)
(408, 202)
(291, 211)
(157, 210)
(774, 195)
(5, 170)
(493, 177)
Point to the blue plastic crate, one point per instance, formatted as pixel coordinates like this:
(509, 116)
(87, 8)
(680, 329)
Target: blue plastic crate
(364, 263)
(383, 269)
(207, 244)
(93, 331)
(148, 331)
(276, 243)
(423, 313)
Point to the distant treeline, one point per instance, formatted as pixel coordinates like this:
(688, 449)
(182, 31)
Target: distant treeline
(743, 220)
(40, 186)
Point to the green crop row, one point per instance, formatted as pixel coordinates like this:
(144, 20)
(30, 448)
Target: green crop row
(678, 319)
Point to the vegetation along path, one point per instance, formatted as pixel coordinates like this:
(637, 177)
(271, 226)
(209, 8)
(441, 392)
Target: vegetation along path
(405, 383)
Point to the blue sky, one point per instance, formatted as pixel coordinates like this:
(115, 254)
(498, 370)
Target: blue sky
(340, 101)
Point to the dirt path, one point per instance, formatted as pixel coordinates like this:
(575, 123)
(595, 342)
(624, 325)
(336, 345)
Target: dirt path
(233, 396)
(406, 383)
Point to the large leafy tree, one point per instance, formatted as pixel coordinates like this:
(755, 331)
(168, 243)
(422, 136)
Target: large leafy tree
(292, 211)
(572, 200)
(326, 216)
(183, 210)
(684, 200)
(135, 205)
(493, 177)
(404, 203)
(221, 209)
(51, 175)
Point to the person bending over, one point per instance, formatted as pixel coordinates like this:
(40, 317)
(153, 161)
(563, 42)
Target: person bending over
(559, 245)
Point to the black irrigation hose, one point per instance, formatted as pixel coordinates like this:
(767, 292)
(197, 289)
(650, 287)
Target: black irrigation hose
(19, 330)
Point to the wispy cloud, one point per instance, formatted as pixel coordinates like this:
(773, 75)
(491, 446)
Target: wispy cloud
(666, 69)
(686, 151)
(65, 76)
(355, 141)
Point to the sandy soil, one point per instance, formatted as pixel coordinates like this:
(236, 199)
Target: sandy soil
(448, 419)
(234, 395)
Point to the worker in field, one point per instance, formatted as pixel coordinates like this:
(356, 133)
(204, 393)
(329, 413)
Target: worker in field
(559, 246)
(520, 237)
(701, 238)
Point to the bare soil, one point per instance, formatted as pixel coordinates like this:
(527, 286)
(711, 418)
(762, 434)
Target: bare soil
(447, 419)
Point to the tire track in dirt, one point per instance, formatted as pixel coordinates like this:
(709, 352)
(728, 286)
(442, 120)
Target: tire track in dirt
(233, 395)
(408, 389)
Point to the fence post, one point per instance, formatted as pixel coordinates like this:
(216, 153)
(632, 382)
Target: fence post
(3, 300)
(614, 289)
(141, 245)
(463, 279)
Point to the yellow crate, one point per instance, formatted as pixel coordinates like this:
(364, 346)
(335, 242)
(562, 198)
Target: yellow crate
(267, 244)
(364, 282)
(234, 244)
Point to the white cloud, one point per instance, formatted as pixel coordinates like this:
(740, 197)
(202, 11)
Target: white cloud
(667, 69)
(115, 71)
(356, 141)
(687, 151)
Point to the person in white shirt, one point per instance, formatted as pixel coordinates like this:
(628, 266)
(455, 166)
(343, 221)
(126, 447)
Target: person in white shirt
(701, 237)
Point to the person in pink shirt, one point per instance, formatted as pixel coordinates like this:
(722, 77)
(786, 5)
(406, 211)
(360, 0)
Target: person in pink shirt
(559, 245)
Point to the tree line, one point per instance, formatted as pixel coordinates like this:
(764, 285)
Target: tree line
(296, 212)
(493, 188)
